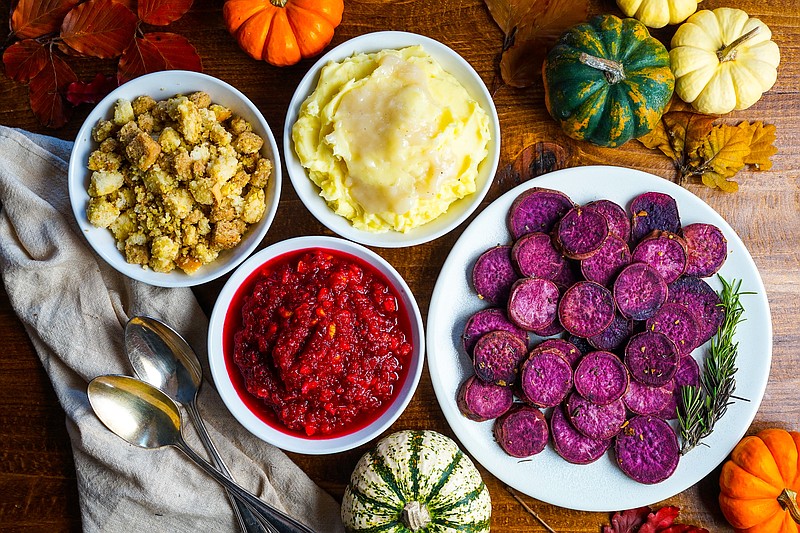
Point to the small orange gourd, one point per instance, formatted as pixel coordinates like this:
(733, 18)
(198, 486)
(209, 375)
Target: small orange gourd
(282, 32)
(760, 482)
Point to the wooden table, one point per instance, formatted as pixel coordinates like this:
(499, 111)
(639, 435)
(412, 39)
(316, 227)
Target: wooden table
(37, 478)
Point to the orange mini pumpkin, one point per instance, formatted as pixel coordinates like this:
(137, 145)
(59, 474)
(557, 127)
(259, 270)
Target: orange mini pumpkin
(281, 32)
(760, 482)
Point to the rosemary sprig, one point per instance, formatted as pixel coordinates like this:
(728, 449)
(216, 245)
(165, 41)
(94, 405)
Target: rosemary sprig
(701, 407)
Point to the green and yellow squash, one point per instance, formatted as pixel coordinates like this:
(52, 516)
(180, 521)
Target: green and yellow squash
(607, 81)
(416, 481)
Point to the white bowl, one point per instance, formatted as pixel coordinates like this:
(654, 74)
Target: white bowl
(459, 210)
(160, 86)
(226, 374)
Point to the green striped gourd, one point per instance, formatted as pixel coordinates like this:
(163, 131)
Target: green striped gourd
(416, 481)
(607, 81)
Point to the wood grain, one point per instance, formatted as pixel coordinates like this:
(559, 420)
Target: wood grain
(37, 478)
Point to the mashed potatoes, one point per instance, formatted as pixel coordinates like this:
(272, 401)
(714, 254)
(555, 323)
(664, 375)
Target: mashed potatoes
(391, 139)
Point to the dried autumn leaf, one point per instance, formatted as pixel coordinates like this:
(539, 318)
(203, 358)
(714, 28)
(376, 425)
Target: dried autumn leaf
(79, 92)
(521, 65)
(162, 12)
(762, 147)
(687, 132)
(508, 13)
(99, 28)
(157, 51)
(46, 89)
(627, 521)
(659, 520)
(659, 138)
(25, 59)
(130, 4)
(725, 149)
(718, 181)
(34, 18)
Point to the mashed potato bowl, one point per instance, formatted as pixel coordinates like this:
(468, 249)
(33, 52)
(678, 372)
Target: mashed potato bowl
(454, 65)
(161, 86)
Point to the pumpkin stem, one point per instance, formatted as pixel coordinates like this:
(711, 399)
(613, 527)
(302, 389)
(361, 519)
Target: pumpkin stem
(278, 3)
(728, 53)
(612, 70)
(788, 501)
(415, 516)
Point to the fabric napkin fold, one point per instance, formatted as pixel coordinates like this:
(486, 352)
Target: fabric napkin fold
(74, 308)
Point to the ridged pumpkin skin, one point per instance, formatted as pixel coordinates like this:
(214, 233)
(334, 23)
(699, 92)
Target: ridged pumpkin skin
(416, 481)
(592, 105)
(282, 32)
(760, 482)
(658, 13)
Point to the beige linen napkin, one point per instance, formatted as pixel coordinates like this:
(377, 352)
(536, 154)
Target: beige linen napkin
(74, 307)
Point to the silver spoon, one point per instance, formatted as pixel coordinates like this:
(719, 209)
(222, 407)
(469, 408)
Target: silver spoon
(146, 417)
(162, 357)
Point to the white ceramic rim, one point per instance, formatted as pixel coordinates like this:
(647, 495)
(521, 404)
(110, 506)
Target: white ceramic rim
(460, 210)
(231, 397)
(161, 85)
(599, 486)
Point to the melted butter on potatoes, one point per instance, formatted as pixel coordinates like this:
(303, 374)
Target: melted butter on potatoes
(391, 139)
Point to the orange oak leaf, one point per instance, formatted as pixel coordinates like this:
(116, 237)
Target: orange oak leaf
(157, 51)
(99, 28)
(34, 18)
(46, 89)
(659, 139)
(762, 147)
(718, 181)
(687, 132)
(25, 59)
(162, 12)
(725, 149)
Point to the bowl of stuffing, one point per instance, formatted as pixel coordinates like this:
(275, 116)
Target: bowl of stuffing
(174, 178)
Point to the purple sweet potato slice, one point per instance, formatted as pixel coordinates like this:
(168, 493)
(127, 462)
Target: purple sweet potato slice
(581, 343)
(676, 322)
(665, 251)
(581, 232)
(594, 421)
(702, 301)
(639, 291)
(619, 225)
(653, 211)
(536, 257)
(566, 277)
(707, 249)
(537, 209)
(670, 410)
(494, 274)
(688, 373)
(615, 335)
(533, 303)
(555, 328)
(522, 432)
(497, 356)
(601, 377)
(481, 401)
(572, 445)
(586, 309)
(652, 358)
(569, 351)
(486, 320)
(647, 449)
(646, 400)
(604, 265)
(546, 378)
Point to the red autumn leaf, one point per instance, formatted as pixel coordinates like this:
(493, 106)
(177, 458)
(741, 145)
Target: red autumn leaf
(34, 18)
(130, 4)
(99, 28)
(659, 520)
(683, 528)
(627, 521)
(157, 51)
(162, 12)
(79, 92)
(25, 59)
(46, 89)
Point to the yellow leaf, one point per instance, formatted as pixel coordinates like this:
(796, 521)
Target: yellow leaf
(725, 149)
(762, 137)
(687, 132)
(658, 138)
(714, 180)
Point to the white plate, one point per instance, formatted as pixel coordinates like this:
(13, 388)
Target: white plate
(600, 486)
(458, 210)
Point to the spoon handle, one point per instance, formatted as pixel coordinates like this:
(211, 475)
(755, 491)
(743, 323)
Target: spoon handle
(281, 522)
(248, 520)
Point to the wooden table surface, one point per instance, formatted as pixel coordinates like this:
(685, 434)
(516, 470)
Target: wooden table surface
(37, 478)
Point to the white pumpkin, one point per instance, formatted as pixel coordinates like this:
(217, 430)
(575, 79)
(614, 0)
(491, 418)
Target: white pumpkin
(416, 480)
(723, 60)
(658, 13)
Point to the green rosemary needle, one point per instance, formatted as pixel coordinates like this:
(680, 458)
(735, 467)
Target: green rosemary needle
(701, 407)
